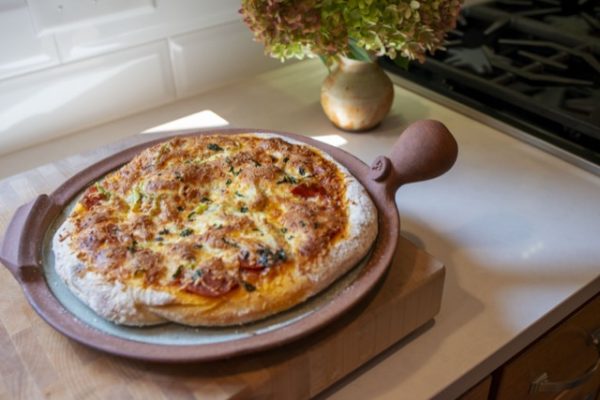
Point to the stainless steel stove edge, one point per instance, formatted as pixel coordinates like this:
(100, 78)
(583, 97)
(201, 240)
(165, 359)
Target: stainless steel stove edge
(499, 125)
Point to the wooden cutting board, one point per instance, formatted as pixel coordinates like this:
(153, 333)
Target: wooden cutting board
(38, 362)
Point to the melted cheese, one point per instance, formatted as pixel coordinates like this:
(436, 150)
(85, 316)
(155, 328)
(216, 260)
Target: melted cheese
(212, 219)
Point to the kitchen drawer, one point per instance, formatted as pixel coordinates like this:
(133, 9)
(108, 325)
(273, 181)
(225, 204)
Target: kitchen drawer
(565, 353)
(481, 391)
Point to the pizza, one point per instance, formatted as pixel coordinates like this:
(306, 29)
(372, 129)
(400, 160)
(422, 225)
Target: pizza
(214, 230)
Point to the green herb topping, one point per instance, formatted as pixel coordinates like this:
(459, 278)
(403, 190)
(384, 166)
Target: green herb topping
(186, 232)
(215, 147)
(178, 273)
(102, 191)
(230, 243)
(197, 274)
(248, 286)
(288, 179)
(281, 256)
(132, 247)
(234, 172)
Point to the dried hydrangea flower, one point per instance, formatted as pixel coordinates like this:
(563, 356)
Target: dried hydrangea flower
(301, 28)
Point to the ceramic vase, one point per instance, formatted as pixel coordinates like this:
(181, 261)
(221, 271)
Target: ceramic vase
(356, 95)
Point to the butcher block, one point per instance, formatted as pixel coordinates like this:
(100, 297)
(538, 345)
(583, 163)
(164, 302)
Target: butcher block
(41, 363)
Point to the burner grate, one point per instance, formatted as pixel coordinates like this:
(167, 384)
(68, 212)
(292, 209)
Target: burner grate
(511, 59)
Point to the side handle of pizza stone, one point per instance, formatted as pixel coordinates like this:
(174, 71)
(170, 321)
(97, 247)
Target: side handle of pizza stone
(22, 244)
(425, 150)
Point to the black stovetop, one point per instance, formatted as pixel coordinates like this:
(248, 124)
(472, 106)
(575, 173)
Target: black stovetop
(531, 63)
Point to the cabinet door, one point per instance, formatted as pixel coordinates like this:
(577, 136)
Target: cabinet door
(564, 354)
(481, 391)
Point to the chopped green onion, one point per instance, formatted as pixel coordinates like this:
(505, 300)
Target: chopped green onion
(200, 208)
(102, 191)
(135, 197)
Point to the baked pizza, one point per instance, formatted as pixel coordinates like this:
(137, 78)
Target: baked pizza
(214, 231)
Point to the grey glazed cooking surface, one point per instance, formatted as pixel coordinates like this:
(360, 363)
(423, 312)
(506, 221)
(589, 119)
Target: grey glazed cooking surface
(174, 334)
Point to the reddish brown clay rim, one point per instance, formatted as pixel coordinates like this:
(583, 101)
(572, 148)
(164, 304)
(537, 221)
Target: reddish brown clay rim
(48, 307)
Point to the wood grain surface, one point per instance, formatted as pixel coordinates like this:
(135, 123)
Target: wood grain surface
(38, 362)
(564, 353)
(481, 391)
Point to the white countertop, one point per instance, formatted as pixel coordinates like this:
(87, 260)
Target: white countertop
(518, 229)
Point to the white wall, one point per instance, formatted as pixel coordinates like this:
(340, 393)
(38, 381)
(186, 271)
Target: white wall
(66, 65)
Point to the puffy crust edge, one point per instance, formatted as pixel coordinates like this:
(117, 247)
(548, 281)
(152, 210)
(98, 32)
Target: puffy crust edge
(127, 305)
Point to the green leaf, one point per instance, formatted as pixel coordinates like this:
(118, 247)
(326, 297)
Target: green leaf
(357, 52)
(402, 62)
(325, 62)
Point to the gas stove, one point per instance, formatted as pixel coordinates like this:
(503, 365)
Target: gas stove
(531, 65)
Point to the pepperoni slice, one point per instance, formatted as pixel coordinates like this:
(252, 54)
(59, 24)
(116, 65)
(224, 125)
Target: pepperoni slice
(247, 263)
(92, 197)
(211, 284)
(304, 190)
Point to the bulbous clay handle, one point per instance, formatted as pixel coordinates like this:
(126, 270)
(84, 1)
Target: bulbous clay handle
(425, 150)
(21, 248)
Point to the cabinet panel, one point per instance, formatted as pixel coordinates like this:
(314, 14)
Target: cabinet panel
(481, 391)
(564, 353)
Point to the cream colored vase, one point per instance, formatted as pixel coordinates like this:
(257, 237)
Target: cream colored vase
(357, 95)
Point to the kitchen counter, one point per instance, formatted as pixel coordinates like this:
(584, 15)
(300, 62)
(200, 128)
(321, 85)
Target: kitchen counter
(518, 229)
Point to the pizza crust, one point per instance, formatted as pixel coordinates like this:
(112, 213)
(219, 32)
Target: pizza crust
(138, 306)
(113, 301)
